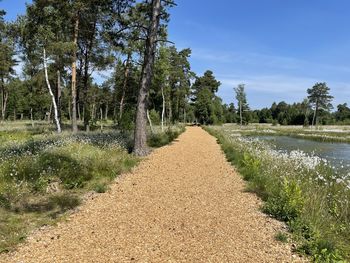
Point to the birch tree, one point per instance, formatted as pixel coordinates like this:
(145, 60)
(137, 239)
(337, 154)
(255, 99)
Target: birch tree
(242, 101)
(57, 120)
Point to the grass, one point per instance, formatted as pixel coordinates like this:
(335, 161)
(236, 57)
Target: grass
(298, 189)
(43, 175)
(282, 237)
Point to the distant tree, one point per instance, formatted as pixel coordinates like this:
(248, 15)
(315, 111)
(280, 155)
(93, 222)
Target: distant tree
(207, 106)
(206, 81)
(319, 98)
(343, 112)
(230, 113)
(7, 52)
(242, 101)
(264, 115)
(305, 108)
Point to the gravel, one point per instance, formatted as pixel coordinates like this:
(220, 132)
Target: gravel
(183, 203)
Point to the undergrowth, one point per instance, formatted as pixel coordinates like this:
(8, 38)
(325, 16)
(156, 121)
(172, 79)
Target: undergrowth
(301, 191)
(159, 139)
(43, 175)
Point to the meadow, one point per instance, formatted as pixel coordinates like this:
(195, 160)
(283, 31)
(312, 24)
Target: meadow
(43, 174)
(300, 189)
(340, 133)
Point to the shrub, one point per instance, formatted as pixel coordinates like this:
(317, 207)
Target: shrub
(288, 204)
(64, 201)
(282, 237)
(100, 188)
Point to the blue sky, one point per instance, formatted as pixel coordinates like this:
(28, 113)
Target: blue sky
(278, 48)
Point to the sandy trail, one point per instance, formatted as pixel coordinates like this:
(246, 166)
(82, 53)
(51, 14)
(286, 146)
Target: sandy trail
(184, 203)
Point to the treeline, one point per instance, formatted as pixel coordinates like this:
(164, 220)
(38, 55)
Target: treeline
(61, 49)
(300, 114)
(53, 56)
(77, 41)
(315, 109)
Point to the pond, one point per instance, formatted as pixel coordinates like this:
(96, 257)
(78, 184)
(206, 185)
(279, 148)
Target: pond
(338, 154)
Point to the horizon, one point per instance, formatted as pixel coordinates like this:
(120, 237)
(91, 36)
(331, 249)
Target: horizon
(270, 46)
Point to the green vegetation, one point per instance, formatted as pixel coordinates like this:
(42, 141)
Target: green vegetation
(160, 139)
(298, 189)
(282, 237)
(43, 175)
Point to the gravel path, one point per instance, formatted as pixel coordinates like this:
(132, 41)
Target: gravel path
(184, 203)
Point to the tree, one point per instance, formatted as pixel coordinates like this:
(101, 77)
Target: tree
(140, 137)
(242, 101)
(205, 101)
(74, 72)
(343, 112)
(7, 52)
(319, 98)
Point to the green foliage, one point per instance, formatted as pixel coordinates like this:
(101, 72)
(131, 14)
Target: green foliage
(163, 138)
(154, 116)
(42, 176)
(64, 201)
(100, 188)
(243, 106)
(282, 237)
(287, 204)
(316, 213)
(208, 107)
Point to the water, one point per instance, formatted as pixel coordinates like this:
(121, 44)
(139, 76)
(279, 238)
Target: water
(338, 154)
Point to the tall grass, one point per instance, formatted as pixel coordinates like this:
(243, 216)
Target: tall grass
(43, 174)
(301, 190)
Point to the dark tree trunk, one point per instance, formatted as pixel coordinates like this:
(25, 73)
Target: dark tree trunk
(86, 76)
(74, 77)
(59, 94)
(4, 98)
(314, 119)
(140, 139)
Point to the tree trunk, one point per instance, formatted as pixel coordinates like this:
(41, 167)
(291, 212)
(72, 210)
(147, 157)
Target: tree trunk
(185, 121)
(125, 83)
(59, 94)
(49, 115)
(74, 76)
(69, 112)
(4, 105)
(88, 50)
(315, 114)
(58, 125)
(163, 108)
(79, 111)
(150, 122)
(101, 118)
(240, 113)
(140, 138)
(31, 117)
(4, 98)
(170, 117)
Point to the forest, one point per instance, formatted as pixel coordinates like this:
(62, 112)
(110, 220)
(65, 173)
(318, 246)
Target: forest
(54, 56)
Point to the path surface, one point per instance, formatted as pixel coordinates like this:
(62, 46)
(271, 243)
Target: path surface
(184, 203)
